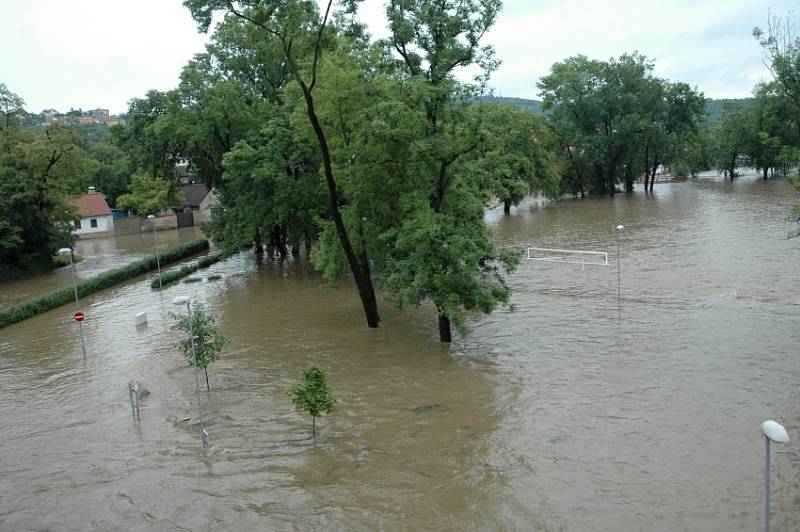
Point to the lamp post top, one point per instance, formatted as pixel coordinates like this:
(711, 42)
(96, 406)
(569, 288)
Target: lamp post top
(775, 431)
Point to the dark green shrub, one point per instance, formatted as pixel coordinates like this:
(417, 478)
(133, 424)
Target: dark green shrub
(173, 276)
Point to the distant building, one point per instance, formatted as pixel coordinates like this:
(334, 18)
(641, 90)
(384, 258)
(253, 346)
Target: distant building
(94, 215)
(182, 171)
(200, 201)
(49, 116)
(100, 115)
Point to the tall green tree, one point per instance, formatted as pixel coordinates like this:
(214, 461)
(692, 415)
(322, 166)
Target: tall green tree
(616, 120)
(443, 251)
(780, 43)
(516, 155)
(37, 170)
(302, 34)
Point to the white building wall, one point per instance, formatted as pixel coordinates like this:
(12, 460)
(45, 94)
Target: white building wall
(105, 224)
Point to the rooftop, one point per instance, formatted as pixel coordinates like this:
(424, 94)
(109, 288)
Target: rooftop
(89, 204)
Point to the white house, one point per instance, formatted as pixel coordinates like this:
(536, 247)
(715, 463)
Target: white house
(95, 219)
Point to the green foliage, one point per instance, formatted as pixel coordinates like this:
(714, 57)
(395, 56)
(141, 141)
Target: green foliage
(149, 195)
(63, 260)
(173, 276)
(37, 170)
(208, 340)
(780, 44)
(99, 282)
(614, 120)
(312, 394)
(516, 157)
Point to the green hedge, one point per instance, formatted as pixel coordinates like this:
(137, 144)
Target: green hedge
(173, 276)
(65, 295)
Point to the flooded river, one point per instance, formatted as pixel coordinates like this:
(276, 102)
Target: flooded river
(552, 417)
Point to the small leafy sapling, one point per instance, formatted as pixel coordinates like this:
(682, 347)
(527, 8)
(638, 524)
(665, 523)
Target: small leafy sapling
(208, 340)
(312, 394)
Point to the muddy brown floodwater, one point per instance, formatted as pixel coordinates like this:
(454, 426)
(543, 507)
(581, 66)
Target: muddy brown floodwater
(552, 417)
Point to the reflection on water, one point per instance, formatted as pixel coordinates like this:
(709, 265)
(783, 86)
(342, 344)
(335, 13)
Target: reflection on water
(552, 417)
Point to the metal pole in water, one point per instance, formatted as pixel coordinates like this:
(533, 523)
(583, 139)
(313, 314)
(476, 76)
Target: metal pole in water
(620, 228)
(155, 242)
(772, 432)
(203, 432)
(766, 487)
(133, 391)
(77, 305)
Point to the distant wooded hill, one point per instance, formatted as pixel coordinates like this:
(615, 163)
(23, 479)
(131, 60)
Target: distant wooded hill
(714, 108)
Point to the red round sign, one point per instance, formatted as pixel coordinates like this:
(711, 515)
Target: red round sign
(79, 316)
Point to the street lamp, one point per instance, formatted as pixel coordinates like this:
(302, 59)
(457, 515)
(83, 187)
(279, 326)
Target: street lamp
(68, 251)
(155, 243)
(620, 229)
(772, 432)
(184, 300)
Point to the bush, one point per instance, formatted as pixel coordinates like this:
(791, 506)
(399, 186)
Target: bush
(65, 295)
(173, 276)
(63, 260)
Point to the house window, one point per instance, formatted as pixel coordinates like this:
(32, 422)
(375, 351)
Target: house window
(93, 222)
(77, 224)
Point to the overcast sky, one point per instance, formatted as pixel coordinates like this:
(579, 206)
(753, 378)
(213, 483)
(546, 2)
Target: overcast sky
(101, 53)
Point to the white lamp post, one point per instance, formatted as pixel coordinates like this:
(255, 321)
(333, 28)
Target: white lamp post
(152, 218)
(772, 432)
(68, 251)
(620, 229)
(184, 300)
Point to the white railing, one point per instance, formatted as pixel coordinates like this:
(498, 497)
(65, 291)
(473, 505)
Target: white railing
(569, 256)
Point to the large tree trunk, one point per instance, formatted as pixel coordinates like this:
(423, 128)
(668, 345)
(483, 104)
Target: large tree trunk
(628, 179)
(611, 177)
(507, 206)
(365, 263)
(766, 169)
(444, 329)
(654, 170)
(360, 274)
(646, 166)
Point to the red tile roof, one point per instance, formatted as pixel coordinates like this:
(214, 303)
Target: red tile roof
(89, 204)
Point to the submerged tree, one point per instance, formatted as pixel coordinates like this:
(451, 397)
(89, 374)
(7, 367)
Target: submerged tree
(298, 30)
(615, 120)
(442, 251)
(208, 340)
(312, 394)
